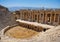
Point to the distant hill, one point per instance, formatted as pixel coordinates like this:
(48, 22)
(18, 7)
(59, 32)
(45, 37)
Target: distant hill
(35, 8)
(18, 8)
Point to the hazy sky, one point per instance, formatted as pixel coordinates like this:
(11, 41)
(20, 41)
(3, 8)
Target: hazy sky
(31, 3)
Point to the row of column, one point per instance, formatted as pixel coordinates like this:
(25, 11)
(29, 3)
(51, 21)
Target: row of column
(52, 19)
(41, 18)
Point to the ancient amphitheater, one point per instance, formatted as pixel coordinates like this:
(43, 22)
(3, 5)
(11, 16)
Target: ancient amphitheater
(29, 25)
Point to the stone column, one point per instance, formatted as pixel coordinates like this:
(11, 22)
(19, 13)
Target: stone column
(32, 16)
(24, 16)
(50, 18)
(54, 17)
(58, 19)
(37, 17)
(40, 17)
(27, 16)
(45, 18)
(21, 15)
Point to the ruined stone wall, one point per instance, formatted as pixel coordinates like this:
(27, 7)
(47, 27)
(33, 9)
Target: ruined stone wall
(32, 27)
(51, 17)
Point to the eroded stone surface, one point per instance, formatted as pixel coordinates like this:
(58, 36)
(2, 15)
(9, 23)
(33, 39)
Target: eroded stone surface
(51, 35)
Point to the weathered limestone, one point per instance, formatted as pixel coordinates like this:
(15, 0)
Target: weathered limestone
(53, 34)
(40, 16)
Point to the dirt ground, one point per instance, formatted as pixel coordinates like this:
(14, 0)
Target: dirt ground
(20, 32)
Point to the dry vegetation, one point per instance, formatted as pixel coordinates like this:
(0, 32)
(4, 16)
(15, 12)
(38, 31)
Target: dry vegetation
(20, 32)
